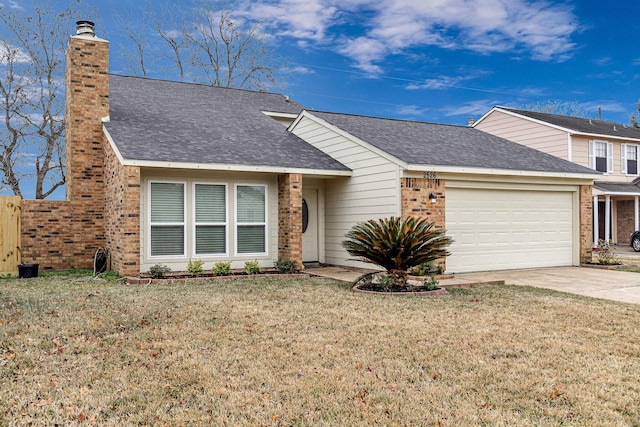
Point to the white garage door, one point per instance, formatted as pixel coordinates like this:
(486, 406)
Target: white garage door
(508, 229)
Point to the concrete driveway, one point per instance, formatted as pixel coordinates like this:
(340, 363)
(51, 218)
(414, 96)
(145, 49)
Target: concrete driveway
(608, 284)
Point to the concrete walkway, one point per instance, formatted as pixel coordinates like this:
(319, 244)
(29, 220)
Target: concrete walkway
(592, 282)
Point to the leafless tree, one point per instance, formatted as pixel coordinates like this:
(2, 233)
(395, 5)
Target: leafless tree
(635, 118)
(562, 108)
(201, 43)
(32, 99)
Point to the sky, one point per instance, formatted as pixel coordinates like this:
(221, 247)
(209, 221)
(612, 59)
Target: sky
(440, 61)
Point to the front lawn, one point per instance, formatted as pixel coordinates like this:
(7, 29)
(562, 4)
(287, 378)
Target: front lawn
(307, 352)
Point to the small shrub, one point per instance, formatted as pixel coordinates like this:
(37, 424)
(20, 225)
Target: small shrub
(222, 268)
(605, 254)
(431, 283)
(427, 269)
(158, 271)
(251, 267)
(285, 266)
(195, 267)
(384, 282)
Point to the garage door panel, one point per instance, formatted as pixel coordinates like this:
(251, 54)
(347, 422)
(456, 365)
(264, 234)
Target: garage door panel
(506, 229)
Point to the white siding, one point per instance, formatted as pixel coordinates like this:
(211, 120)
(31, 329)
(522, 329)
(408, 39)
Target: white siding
(373, 191)
(525, 132)
(581, 156)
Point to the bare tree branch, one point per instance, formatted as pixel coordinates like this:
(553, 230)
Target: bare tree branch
(205, 44)
(32, 98)
(562, 108)
(635, 118)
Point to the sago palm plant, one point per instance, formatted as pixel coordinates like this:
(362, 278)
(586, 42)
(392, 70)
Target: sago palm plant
(397, 244)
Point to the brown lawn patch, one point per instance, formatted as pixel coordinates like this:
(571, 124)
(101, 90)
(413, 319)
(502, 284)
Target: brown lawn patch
(308, 352)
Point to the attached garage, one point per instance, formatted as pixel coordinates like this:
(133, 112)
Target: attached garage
(508, 228)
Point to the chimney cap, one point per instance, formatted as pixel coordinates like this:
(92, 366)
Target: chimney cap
(86, 28)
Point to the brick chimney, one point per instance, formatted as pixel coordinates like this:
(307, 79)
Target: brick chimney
(87, 103)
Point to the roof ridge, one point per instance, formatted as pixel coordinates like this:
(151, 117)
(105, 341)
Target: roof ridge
(590, 120)
(386, 118)
(197, 84)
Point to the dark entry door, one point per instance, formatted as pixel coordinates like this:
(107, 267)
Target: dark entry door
(602, 219)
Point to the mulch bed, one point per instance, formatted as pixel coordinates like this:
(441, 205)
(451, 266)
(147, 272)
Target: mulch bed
(398, 290)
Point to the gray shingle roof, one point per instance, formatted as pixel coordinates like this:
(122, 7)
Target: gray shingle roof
(167, 121)
(580, 125)
(447, 145)
(617, 187)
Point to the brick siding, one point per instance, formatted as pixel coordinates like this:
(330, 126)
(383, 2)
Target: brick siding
(625, 220)
(586, 223)
(63, 234)
(122, 214)
(290, 217)
(415, 201)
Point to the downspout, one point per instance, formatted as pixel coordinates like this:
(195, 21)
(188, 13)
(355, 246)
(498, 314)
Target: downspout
(596, 220)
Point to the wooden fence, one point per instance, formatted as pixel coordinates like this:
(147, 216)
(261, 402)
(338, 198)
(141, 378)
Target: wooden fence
(9, 234)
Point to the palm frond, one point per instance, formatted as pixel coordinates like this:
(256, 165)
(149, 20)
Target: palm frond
(397, 243)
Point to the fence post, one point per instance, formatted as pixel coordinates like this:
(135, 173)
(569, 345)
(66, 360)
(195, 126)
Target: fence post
(9, 234)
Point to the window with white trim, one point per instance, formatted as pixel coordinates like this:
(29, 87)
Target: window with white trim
(210, 222)
(629, 159)
(601, 156)
(251, 219)
(167, 219)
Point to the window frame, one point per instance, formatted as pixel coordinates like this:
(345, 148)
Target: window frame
(624, 159)
(195, 222)
(265, 223)
(609, 155)
(151, 224)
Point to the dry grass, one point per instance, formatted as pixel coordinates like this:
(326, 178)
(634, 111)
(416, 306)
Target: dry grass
(307, 352)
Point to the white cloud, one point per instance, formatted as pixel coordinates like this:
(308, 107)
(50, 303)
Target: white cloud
(302, 70)
(12, 4)
(602, 61)
(300, 19)
(17, 54)
(471, 109)
(412, 111)
(441, 82)
(379, 28)
(607, 107)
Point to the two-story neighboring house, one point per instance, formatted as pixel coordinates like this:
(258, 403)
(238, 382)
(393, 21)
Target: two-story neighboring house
(610, 148)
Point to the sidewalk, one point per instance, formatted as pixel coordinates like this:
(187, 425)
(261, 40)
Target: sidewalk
(613, 285)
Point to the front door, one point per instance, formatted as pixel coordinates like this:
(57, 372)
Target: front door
(601, 220)
(310, 225)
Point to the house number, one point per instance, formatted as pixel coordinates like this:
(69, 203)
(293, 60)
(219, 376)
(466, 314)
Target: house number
(430, 175)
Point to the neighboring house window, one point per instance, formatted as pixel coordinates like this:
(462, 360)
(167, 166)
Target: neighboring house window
(167, 219)
(251, 219)
(601, 156)
(210, 219)
(630, 159)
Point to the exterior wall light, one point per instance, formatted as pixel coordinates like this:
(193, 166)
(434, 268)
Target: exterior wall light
(432, 198)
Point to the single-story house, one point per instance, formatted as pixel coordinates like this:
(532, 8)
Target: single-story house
(612, 149)
(165, 172)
